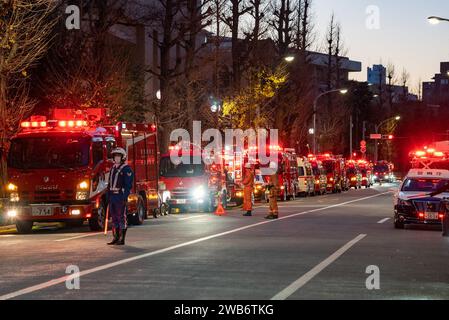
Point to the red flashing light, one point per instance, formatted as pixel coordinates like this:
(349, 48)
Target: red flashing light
(441, 216)
(438, 154)
(420, 153)
(153, 127)
(33, 124)
(390, 137)
(62, 124)
(421, 215)
(25, 124)
(430, 150)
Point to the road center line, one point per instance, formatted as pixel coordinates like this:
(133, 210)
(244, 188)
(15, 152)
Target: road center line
(298, 284)
(63, 279)
(383, 220)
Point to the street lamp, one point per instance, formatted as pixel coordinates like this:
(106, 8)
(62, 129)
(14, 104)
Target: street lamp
(341, 91)
(377, 127)
(436, 20)
(289, 59)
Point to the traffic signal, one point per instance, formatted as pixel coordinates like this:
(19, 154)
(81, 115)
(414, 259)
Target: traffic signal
(388, 137)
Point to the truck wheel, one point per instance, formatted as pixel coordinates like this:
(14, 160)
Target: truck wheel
(24, 226)
(138, 217)
(97, 223)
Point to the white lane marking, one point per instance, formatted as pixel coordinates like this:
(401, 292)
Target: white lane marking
(192, 217)
(63, 279)
(383, 220)
(298, 284)
(81, 236)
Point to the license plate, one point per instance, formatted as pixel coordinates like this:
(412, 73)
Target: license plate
(181, 201)
(42, 211)
(431, 215)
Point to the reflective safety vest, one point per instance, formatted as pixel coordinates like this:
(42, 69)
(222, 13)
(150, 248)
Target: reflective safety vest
(114, 175)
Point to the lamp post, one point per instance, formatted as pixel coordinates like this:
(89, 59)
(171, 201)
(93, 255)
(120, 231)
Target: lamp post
(342, 91)
(377, 127)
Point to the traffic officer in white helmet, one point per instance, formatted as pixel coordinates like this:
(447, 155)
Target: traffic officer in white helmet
(119, 188)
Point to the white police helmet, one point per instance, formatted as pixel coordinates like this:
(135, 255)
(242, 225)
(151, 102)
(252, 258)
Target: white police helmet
(119, 151)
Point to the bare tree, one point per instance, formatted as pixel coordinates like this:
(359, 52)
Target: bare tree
(25, 27)
(283, 24)
(236, 10)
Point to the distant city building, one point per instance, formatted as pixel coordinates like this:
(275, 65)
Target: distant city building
(377, 75)
(377, 78)
(436, 92)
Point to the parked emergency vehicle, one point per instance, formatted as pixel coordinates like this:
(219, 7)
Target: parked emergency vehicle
(333, 170)
(383, 172)
(234, 164)
(58, 169)
(260, 186)
(305, 177)
(319, 175)
(353, 174)
(366, 170)
(192, 185)
(287, 173)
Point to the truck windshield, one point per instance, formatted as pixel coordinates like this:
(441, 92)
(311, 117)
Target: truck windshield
(49, 152)
(423, 185)
(328, 166)
(169, 169)
(381, 168)
(351, 171)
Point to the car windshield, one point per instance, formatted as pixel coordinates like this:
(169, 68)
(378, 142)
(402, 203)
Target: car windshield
(423, 185)
(381, 168)
(169, 169)
(54, 152)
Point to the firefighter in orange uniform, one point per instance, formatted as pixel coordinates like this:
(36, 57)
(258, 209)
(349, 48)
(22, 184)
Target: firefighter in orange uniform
(273, 186)
(248, 188)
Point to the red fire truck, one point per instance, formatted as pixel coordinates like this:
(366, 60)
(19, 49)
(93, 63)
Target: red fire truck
(320, 177)
(58, 169)
(334, 172)
(353, 174)
(366, 170)
(287, 173)
(192, 185)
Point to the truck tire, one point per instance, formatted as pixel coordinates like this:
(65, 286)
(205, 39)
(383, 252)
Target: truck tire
(24, 227)
(138, 217)
(97, 223)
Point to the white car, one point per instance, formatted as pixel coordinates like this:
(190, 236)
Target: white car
(413, 203)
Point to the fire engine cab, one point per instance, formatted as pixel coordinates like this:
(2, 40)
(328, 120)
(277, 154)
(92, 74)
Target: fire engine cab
(58, 169)
(192, 184)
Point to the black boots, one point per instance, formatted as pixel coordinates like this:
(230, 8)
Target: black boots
(122, 235)
(115, 237)
(118, 237)
(248, 214)
(272, 216)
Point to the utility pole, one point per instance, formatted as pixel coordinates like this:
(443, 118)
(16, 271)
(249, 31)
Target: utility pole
(350, 135)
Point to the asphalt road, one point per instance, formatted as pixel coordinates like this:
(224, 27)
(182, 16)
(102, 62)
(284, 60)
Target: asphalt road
(319, 249)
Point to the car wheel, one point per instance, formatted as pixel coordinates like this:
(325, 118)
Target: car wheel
(399, 225)
(24, 227)
(97, 223)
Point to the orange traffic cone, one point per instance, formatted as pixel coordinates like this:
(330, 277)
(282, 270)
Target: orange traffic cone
(220, 210)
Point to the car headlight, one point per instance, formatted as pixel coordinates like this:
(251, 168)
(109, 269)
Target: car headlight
(199, 192)
(14, 197)
(84, 185)
(11, 187)
(353, 179)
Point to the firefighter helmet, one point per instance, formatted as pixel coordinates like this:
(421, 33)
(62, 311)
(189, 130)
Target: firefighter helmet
(119, 151)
